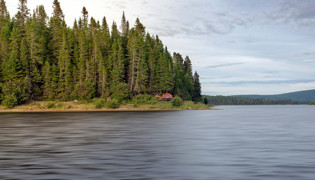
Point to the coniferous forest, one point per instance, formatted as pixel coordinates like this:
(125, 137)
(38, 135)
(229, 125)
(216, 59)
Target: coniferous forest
(43, 58)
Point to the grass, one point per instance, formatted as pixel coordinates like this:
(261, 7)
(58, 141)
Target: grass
(102, 104)
(312, 103)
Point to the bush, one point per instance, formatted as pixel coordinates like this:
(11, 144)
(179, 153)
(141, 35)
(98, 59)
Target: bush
(50, 105)
(177, 101)
(120, 92)
(10, 101)
(205, 100)
(99, 103)
(113, 104)
(144, 99)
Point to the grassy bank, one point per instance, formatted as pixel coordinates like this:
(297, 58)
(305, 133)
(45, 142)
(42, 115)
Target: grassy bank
(102, 105)
(312, 103)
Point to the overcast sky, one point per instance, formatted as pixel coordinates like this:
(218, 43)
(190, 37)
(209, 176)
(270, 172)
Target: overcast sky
(237, 46)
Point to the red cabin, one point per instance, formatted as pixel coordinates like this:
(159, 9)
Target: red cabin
(167, 97)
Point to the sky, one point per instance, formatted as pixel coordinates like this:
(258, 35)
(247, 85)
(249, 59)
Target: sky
(236, 46)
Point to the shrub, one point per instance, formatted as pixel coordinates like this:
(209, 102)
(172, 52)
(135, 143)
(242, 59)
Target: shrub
(177, 101)
(205, 100)
(99, 103)
(120, 92)
(10, 101)
(143, 99)
(50, 105)
(113, 104)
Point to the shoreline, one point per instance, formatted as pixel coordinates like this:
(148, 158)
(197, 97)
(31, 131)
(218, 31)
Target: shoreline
(60, 107)
(2, 111)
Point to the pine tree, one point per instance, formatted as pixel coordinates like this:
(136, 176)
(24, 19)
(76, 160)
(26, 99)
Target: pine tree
(22, 14)
(4, 15)
(115, 32)
(24, 56)
(56, 25)
(64, 64)
(12, 68)
(137, 63)
(46, 72)
(124, 26)
(83, 56)
(5, 30)
(57, 13)
(85, 15)
(3, 9)
(197, 88)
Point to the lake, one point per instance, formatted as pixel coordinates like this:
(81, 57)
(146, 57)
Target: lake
(237, 142)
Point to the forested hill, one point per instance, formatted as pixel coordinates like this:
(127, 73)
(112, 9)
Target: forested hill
(302, 97)
(231, 100)
(43, 58)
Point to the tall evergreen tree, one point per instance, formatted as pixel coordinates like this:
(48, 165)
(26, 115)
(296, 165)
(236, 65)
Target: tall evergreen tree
(124, 26)
(4, 33)
(64, 64)
(56, 25)
(197, 88)
(85, 16)
(4, 15)
(22, 14)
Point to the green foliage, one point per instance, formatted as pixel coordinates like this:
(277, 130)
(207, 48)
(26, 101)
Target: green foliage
(197, 89)
(144, 99)
(194, 105)
(312, 103)
(10, 101)
(19, 88)
(205, 101)
(177, 101)
(230, 100)
(99, 103)
(42, 58)
(50, 105)
(113, 104)
(120, 92)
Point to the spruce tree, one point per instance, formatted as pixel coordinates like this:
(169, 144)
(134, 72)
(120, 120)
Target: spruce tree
(3, 9)
(64, 64)
(197, 88)
(22, 14)
(85, 16)
(56, 25)
(124, 26)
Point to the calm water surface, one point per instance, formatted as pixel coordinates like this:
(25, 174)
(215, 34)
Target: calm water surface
(239, 142)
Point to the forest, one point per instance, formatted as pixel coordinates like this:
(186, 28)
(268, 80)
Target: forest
(231, 100)
(42, 58)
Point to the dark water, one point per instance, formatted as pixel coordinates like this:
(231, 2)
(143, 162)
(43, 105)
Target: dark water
(239, 142)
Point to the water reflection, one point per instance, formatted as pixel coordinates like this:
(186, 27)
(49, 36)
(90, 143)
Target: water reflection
(257, 142)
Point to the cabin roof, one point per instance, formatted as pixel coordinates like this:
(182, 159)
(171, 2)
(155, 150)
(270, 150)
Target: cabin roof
(167, 96)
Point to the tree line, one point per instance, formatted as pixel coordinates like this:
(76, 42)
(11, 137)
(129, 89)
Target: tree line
(231, 100)
(42, 58)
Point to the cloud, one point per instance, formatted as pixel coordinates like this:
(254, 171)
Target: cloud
(223, 65)
(297, 13)
(306, 56)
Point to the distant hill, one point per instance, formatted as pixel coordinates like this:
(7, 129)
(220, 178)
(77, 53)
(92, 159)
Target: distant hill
(232, 100)
(302, 97)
